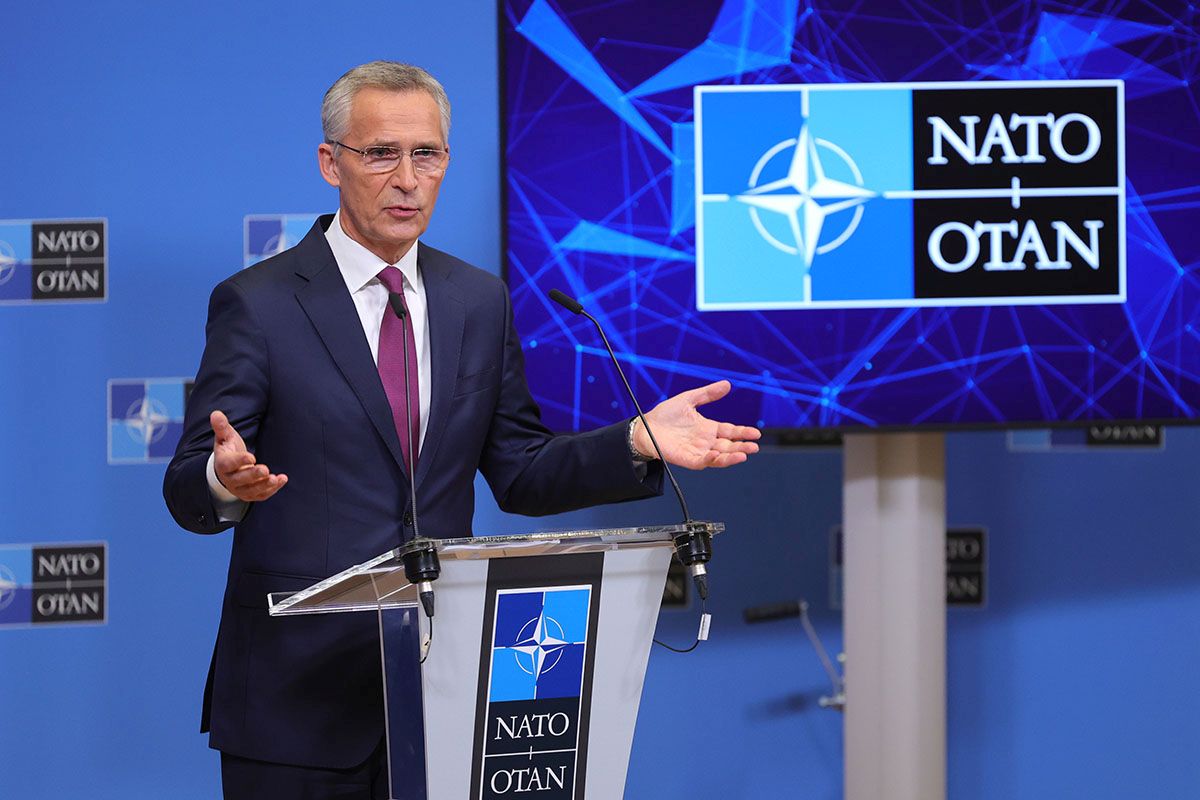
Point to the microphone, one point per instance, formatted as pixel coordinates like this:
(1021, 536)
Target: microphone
(693, 546)
(421, 566)
(771, 612)
(396, 301)
(799, 608)
(569, 303)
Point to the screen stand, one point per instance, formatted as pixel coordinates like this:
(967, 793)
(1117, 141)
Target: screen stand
(894, 513)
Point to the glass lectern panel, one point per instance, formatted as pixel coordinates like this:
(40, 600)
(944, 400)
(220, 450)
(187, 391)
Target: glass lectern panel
(380, 583)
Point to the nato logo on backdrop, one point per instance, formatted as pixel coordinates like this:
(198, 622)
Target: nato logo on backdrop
(145, 418)
(55, 583)
(53, 260)
(266, 235)
(918, 194)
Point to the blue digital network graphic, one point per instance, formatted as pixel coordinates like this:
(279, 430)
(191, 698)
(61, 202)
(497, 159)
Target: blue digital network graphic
(600, 149)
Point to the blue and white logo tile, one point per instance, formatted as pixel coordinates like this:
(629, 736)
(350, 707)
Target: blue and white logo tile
(539, 645)
(266, 235)
(145, 418)
(16, 262)
(53, 583)
(53, 260)
(16, 585)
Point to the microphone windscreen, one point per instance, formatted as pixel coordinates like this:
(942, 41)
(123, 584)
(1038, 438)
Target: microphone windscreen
(396, 301)
(570, 304)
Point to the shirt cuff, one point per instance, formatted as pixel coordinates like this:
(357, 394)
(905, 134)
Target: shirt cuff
(229, 508)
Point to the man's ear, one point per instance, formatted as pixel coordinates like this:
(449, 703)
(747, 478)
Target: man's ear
(328, 164)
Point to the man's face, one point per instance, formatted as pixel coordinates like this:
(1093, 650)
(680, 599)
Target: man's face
(386, 212)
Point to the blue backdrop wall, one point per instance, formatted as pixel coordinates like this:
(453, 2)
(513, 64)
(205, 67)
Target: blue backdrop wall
(176, 123)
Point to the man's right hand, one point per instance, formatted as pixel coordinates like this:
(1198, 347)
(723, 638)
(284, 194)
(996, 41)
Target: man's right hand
(237, 469)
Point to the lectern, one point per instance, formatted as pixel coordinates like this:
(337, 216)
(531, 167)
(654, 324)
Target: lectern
(533, 674)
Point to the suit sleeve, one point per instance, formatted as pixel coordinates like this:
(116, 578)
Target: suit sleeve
(534, 472)
(233, 378)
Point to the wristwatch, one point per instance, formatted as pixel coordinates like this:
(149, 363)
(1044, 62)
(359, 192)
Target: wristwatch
(636, 454)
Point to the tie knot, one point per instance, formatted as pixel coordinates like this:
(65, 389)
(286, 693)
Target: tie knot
(392, 278)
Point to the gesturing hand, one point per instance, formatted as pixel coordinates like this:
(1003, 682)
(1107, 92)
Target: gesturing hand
(236, 467)
(690, 440)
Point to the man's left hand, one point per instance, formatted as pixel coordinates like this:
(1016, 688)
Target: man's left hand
(690, 440)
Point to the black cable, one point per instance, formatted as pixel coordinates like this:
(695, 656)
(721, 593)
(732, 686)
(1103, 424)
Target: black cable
(396, 301)
(428, 641)
(695, 644)
(687, 517)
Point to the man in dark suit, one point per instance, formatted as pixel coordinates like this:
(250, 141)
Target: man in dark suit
(304, 370)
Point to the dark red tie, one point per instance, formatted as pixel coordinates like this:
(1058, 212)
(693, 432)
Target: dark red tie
(392, 341)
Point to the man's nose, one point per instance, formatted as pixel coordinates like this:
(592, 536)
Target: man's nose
(404, 177)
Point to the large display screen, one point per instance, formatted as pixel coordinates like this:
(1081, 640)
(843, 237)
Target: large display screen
(865, 215)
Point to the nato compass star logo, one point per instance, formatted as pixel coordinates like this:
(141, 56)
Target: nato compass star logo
(805, 196)
(539, 640)
(539, 646)
(266, 235)
(145, 418)
(782, 216)
(8, 587)
(8, 262)
(146, 421)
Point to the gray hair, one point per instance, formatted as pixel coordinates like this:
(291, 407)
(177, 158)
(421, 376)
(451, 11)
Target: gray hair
(390, 75)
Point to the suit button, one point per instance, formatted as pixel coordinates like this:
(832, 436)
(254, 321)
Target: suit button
(203, 518)
(408, 518)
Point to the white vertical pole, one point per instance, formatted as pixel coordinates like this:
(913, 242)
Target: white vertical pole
(894, 557)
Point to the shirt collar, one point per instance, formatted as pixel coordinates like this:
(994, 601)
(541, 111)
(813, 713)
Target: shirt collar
(359, 266)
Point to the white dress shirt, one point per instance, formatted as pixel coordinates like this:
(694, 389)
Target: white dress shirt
(359, 268)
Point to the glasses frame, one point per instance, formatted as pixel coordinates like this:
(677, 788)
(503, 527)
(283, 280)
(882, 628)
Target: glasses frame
(441, 167)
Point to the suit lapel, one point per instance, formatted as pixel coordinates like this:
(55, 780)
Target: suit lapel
(327, 303)
(447, 315)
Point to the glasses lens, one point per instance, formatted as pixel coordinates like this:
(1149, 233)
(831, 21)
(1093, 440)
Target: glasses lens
(427, 161)
(381, 159)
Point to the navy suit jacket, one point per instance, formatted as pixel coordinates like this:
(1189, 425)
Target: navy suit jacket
(287, 361)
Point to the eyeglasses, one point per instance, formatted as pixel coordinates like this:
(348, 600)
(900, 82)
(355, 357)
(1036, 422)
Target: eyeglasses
(381, 158)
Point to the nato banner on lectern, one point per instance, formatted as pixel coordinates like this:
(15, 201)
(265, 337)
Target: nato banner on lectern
(539, 640)
(535, 687)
